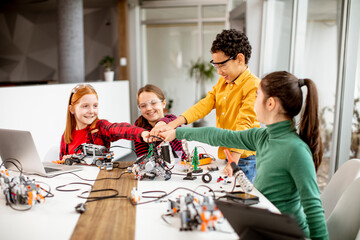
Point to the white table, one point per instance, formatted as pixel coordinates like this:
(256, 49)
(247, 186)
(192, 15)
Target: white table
(149, 224)
(54, 219)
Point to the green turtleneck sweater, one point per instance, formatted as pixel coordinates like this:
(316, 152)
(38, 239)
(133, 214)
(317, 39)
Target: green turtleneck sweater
(285, 169)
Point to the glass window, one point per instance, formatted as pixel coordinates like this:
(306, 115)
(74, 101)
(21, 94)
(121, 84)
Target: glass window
(277, 37)
(236, 3)
(322, 31)
(170, 49)
(210, 30)
(214, 11)
(169, 13)
(355, 133)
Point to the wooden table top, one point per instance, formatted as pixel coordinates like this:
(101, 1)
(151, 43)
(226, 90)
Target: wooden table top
(110, 218)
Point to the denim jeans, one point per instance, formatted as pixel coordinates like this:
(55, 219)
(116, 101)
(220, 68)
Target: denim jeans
(248, 166)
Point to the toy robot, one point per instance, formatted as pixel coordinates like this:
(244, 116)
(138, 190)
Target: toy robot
(154, 164)
(92, 154)
(193, 213)
(20, 189)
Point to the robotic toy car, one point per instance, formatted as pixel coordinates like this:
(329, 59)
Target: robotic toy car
(20, 190)
(154, 164)
(92, 154)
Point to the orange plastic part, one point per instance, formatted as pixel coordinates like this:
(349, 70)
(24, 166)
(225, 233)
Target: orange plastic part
(58, 161)
(228, 155)
(30, 198)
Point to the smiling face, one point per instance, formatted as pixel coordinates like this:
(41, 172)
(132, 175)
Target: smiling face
(151, 107)
(232, 68)
(85, 110)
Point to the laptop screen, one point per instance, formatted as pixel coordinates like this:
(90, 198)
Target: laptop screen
(19, 145)
(256, 223)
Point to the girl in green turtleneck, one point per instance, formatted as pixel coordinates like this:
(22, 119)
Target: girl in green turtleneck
(286, 161)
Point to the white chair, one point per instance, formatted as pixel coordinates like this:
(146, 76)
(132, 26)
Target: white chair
(358, 235)
(338, 184)
(52, 154)
(344, 221)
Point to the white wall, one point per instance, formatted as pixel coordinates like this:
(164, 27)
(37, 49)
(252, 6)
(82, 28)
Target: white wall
(42, 111)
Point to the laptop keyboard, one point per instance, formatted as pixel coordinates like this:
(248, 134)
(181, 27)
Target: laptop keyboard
(49, 170)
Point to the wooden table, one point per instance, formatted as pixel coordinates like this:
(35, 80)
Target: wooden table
(109, 218)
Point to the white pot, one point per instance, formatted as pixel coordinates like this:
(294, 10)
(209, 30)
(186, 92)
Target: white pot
(109, 76)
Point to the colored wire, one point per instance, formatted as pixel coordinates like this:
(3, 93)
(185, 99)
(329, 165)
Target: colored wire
(155, 191)
(59, 188)
(84, 179)
(168, 194)
(48, 192)
(12, 161)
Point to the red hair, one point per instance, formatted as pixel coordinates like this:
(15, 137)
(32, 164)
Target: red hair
(76, 94)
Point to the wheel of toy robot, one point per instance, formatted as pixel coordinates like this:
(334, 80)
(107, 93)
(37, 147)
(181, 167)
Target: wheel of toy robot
(206, 178)
(98, 163)
(68, 161)
(89, 160)
(10, 197)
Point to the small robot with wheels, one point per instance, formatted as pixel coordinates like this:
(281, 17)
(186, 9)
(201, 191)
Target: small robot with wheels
(195, 213)
(92, 154)
(20, 190)
(154, 163)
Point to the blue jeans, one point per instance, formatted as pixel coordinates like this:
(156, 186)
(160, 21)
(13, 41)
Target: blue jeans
(248, 166)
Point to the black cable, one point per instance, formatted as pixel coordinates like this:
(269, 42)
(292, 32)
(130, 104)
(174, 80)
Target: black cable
(211, 190)
(166, 215)
(59, 188)
(160, 197)
(234, 184)
(154, 191)
(8, 202)
(84, 179)
(93, 199)
(49, 193)
(90, 199)
(10, 160)
(153, 136)
(194, 174)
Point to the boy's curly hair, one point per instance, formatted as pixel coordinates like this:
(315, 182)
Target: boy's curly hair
(232, 42)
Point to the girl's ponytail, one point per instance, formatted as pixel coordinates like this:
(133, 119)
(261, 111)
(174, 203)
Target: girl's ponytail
(309, 129)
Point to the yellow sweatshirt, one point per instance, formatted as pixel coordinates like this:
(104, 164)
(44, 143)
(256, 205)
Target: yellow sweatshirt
(234, 104)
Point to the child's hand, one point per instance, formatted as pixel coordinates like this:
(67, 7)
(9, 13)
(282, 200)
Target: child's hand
(168, 135)
(145, 136)
(159, 128)
(228, 171)
(65, 157)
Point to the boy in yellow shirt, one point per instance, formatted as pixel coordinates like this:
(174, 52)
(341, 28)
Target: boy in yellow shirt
(233, 96)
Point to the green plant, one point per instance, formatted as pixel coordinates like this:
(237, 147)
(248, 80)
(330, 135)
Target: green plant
(168, 106)
(107, 62)
(355, 136)
(202, 71)
(325, 130)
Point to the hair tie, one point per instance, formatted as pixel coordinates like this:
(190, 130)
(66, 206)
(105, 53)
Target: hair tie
(301, 82)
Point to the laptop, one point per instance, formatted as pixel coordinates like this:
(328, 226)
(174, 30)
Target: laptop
(257, 223)
(19, 145)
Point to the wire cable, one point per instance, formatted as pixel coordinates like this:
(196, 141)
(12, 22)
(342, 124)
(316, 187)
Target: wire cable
(168, 194)
(11, 160)
(84, 179)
